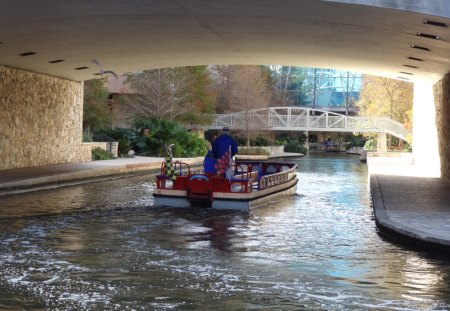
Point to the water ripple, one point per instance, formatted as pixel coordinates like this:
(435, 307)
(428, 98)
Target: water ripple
(105, 247)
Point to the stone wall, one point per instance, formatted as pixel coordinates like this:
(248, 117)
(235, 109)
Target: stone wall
(442, 101)
(40, 120)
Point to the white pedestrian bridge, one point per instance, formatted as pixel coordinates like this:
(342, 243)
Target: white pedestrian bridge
(307, 120)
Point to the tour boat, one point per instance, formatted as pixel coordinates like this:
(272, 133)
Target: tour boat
(253, 184)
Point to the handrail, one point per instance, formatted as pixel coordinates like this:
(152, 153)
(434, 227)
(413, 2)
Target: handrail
(101, 137)
(307, 119)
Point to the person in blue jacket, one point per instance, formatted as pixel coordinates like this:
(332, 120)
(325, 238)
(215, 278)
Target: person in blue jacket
(209, 163)
(222, 144)
(221, 148)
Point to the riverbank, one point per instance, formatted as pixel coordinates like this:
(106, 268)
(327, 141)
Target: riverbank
(28, 179)
(22, 180)
(410, 204)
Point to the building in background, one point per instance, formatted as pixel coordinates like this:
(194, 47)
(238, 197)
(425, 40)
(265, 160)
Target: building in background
(325, 89)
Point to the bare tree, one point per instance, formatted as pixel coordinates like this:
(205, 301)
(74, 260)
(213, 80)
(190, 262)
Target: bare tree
(221, 77)
(282, 77)
(248, 90)
(158, 93)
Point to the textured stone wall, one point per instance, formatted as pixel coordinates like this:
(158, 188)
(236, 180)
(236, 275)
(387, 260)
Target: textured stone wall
(40, 120)
(442, 104)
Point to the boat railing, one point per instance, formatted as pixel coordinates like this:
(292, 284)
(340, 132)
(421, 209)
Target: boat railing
(177, 166)
(180, 168)
(165, 181)
(247, 173)
(276, 179)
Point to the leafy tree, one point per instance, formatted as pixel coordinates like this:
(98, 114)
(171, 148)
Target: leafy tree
(386, 97)
(96, 111)
(198, 95)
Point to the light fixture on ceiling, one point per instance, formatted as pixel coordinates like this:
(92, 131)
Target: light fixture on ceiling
(56, 61)
(81, 68)
(427, 35)
(403, 78)
(414, 46)
(415, 58)
(406, 73)
(24, 54)
(411, 66)
(434, 23)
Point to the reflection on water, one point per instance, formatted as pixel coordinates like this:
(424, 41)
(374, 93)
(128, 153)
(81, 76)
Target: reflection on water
(105, 247)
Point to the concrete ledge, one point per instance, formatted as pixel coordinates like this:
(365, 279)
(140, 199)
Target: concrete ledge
(58, 176)
(405, 231)
(244, 157)
(272, 156)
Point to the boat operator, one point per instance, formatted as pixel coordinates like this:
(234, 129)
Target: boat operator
(221, 149)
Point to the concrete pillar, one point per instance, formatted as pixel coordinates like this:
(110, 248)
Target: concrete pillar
(425, 138)
(442, 103)
(382, 142)
(307, 140)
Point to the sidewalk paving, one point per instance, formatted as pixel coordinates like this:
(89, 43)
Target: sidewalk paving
(21, 180)
(409, 204)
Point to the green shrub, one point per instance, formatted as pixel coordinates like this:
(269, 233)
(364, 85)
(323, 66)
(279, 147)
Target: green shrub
(153, 135)
(260, 141)
(295, 147)
(123, 133)
(370, 145)
(240, 140)
(123, 136)
(100, 154)
(279, 142)
(123, 146)
(355, 141)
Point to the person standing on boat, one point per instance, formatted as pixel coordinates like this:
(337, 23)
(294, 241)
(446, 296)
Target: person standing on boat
(209, 162)
(224, 148)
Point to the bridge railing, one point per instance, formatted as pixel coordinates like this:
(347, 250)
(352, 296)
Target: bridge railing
(292, 118)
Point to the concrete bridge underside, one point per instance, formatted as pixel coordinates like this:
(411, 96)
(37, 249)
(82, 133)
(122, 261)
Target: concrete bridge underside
(47, 48)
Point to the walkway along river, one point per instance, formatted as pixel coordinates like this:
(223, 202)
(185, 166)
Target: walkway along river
(104, 246)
